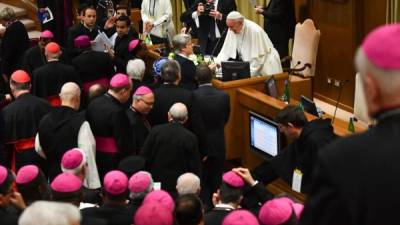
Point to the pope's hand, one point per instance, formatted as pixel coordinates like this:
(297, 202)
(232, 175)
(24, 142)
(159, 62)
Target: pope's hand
(148, 26)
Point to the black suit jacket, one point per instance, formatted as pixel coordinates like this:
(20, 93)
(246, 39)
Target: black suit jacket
(206, 22)
(279, 22)
(214, 107)
(48, 79)
(188, 72)
(112, 214)
(356, 178)
(92, 65)
(168, 94)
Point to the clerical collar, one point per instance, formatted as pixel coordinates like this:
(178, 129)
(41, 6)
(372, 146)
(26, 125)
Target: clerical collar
(206, 84)
(183, 55)
(386, 114)
(224, 206)
(90, 29)
(52, 60)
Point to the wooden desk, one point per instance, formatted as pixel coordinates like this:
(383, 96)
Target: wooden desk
(233, 132)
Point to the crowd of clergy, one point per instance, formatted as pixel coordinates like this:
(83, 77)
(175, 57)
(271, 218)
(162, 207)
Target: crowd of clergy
(95, 134)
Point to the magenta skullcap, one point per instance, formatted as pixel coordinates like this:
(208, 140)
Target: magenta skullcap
(139, 182)
(133, 44)
(298, 209)
(115, 182)
(240, 217)
(119, 80)
(3, 174)
(143, 90)
(381, 47)
(27, 174)
(47, 34)
(73, 159)
(153, 214)
(66, 183)
(233, 179)
(82, 41)
(276, 211)
(160, 197)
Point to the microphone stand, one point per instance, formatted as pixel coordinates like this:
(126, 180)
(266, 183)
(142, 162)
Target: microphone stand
(341, 84)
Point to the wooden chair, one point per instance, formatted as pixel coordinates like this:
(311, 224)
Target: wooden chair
(360, 106)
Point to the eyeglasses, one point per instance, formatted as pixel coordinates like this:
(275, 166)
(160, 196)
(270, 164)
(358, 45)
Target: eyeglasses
(147, 103)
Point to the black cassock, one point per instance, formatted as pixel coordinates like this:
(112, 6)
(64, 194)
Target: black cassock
(48, 79)
(140, 128)
(34, 58)
(216, 215)
(78, 30)
(22, 119)
(112, 213)
(110, 127)
(188, 72)
(7, 217)
(171, 150)
(121, 52)
(14, 43)
(58, 133)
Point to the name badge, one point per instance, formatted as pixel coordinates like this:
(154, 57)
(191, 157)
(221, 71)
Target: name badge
(296, 182)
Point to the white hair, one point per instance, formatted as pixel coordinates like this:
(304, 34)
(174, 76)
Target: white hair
(180, 41)
(387, 80)
(136, 69)
(50, 213)
(188, 183)
(178, 111)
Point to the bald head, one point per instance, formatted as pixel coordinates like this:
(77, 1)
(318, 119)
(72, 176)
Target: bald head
(188, 183)
(178, 112)
(70, 95)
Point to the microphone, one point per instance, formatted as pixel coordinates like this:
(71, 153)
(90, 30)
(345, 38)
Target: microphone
(216, 45)
(341, 84)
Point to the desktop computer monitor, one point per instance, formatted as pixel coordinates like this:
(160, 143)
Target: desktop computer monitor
(232, 70)
(308, 105)
(264, 136)
(270, 87)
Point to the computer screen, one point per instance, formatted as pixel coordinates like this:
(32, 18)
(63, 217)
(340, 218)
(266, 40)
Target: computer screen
(308, 105)
(264, 135)
(232, 70)
(270, 87)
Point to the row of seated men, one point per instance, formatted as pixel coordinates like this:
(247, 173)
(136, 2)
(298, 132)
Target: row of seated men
(131, 196)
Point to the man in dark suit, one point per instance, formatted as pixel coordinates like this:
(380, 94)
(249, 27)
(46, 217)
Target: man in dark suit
(168, 94)
(47, 80)
(184, 48)
(279, 23)
(210, 19)
(215, 109)
(355, 180)
(171, 150)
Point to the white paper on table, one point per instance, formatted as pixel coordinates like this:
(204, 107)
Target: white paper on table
(50, 16)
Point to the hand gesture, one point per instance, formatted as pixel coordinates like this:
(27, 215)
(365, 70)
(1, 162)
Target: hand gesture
(259, 9)
(148, 26)
(110, 23)
(217, 15)
(245, 174)
(17, 200)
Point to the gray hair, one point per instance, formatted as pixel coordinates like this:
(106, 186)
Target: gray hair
(7, 14)
(178, 111)
(180, 41)
(141, 195)
(50, 213)
(188, 183)
(135, 69)
(388, 80)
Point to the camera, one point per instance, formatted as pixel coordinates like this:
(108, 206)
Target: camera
(208, 6)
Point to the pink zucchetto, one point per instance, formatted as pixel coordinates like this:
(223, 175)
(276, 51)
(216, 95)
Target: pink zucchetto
(115, 182)
(133, 44)
(153, 214)
(3, 174)
(72, 160)
(276, 211)
(119, 80)
(46, 34)
(381, 47)
(233, 179)
(140, 182)
(27, 174)
(143, 90)
(298, 209)
(66, 183)
(160, 197)
(240, 217)
(82, 41)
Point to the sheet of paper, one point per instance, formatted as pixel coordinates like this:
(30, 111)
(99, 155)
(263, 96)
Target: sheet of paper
(101, 42)
(46, 16)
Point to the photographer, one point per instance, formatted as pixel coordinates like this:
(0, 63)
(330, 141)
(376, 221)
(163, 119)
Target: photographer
(210, 19)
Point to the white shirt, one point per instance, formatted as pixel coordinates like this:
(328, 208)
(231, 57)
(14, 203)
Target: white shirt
(156, 10)
(87, 143)
(254, 46)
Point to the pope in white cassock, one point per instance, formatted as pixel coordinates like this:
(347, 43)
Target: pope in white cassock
(250, 41)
